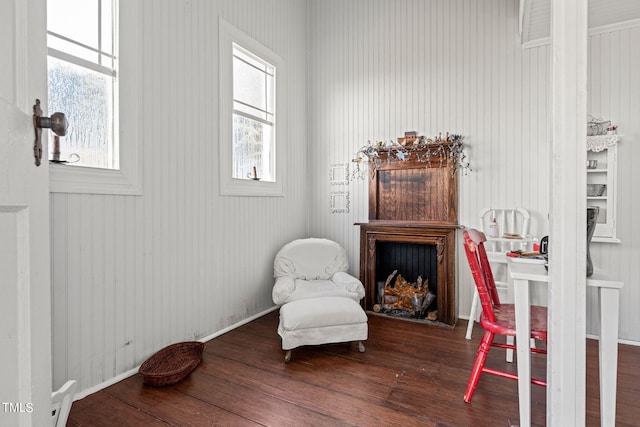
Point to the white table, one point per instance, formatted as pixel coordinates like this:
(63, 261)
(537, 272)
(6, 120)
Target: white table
(522, 274)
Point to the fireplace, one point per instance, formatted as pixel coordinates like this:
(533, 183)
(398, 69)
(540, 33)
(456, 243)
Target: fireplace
(412, 250)
(411, 231)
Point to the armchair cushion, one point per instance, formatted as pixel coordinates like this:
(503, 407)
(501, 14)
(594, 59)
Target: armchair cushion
(288, 289)
(306, 289)
(350, 284)
(313, 268)
(283, 287)
(320, 321)
(310, 259)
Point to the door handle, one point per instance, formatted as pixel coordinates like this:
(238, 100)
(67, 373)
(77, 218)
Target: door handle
(57, 123)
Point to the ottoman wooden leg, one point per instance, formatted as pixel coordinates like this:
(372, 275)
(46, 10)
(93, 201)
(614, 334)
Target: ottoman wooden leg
(360, 347)
(287, 356)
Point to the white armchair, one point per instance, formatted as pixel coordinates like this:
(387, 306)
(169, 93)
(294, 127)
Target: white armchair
(313, 268)
(319, 299)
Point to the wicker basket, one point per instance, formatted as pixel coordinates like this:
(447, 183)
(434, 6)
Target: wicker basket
(595, 190)
(172, 364)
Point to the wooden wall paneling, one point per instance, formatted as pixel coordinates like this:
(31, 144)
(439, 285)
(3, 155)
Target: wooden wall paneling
(178, 277)
(72, 319)
(629, 176)
(425, 66)
(184, 245)
(110, 298)
(166, 312)
(136, 273)
(129, 282)
(59, 297)
(614, 89)
(115, 276)
(97, 255)
(595, 105)
(141, 280)
(82, 259)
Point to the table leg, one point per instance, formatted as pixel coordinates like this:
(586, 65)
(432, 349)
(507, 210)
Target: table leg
(473, 314)
(608, 351)
(523, 333)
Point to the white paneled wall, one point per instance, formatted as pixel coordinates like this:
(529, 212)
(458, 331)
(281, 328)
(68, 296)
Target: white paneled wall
(382, 67)
(132, 274)
(379, 68)
(614, 94)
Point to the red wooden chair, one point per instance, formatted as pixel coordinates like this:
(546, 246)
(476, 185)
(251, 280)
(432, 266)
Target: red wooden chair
(496, 318)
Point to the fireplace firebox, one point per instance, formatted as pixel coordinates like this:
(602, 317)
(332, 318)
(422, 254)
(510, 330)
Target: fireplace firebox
(411, 232)
(427, 251)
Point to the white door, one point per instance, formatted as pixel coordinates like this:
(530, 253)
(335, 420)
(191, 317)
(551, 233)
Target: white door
(25, 301)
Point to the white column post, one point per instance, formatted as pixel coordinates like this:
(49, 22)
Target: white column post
(567, 246)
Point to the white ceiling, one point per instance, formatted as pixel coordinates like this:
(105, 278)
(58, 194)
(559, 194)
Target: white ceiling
(536, 15)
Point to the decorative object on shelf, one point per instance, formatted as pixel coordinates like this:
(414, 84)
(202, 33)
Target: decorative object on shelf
(597, 143)
(494, 230)
(410, 138)
(56, 148)
(612, 130)
(253, 174)
(597, 126)
(448, 149)
(339, 202)
(339, 174)
(55, 156)
(592, 164)
(595, 190)
(592, 219)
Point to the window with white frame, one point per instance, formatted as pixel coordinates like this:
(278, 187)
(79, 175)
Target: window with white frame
(254, 116)
(101, 100)
(83, 78)
(250, 99)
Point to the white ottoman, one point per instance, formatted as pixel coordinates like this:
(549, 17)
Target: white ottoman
(321, 320)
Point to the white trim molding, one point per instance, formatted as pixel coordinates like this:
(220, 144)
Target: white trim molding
(246, 187)
(128, 178)
(632, 23)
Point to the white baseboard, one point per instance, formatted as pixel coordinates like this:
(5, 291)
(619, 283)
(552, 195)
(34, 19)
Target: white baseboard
(236, 325)
(626, 342)
(590, 336)
(84, 393)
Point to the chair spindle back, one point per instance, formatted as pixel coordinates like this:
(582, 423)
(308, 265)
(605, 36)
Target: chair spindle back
(481, 271)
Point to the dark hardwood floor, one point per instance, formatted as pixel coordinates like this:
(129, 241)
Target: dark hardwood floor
(411, 374)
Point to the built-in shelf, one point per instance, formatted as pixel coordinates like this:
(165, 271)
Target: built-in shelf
(604, 150)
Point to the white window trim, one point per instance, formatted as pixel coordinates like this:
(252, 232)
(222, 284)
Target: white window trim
(229, 186)
(127, 179)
